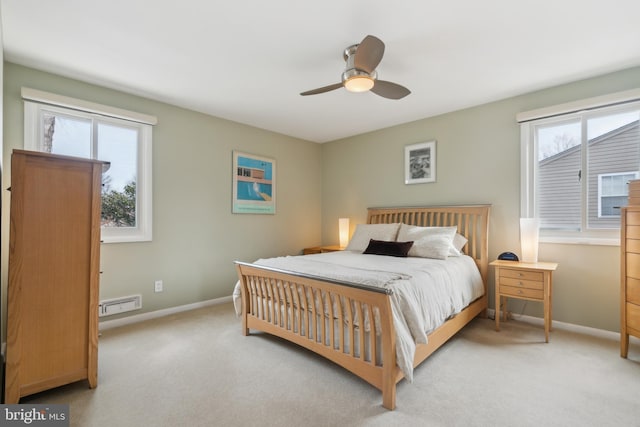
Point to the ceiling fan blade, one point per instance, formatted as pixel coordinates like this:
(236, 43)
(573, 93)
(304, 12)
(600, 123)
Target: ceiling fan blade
(389, 90)
(369, 54)
(322, 89)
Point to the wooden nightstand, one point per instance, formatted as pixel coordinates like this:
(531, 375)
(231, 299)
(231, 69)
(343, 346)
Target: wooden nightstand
(322, 249)
(524, 280)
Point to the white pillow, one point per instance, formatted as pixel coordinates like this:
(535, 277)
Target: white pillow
(365, 232)
(458, 243)
(428, 242)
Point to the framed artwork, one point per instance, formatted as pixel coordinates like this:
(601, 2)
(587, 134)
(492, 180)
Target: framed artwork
(420, 163)
(254, 184)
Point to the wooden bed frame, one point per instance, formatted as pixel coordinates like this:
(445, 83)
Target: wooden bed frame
(271, 303)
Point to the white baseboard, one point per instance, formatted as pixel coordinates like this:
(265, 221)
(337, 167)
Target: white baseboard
(108, 324)
(602, 333)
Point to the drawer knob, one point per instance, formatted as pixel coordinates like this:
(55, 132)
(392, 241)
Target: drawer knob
(520, 291)
(520, 284)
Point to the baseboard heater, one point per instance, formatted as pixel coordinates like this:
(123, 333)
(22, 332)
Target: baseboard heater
(113, 306)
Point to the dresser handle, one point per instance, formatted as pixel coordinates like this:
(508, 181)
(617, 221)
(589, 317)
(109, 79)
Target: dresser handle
(520, 291)
(520, 284)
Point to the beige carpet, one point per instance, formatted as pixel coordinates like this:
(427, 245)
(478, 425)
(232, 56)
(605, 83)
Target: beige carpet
(196, 369)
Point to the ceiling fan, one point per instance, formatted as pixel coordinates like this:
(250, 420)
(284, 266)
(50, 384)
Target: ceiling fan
(360, 73)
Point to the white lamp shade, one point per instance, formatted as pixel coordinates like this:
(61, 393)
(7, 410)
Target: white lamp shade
(529, 230)
(343, 230)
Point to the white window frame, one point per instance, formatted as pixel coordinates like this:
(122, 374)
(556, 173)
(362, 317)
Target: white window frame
(529, 161)
(36, 102)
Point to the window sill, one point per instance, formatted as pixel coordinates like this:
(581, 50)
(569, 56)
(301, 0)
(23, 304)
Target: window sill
(589, 241)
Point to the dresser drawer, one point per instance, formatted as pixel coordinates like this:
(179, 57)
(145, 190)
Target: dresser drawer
(633, 217)
(633, 245)
(521, 292)
(633, 265)
(633, 316)
(633, 290)
(519, 274)
(633, 231)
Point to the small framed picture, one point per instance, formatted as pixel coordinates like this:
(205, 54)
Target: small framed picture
(254, 184)
(420, 163)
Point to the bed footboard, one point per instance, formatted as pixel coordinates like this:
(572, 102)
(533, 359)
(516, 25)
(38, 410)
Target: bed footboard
(348, 324)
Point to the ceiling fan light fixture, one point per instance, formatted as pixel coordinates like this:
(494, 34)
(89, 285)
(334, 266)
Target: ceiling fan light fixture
(360, 74)
(359, 84)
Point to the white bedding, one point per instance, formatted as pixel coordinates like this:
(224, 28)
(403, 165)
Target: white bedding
(426, 291)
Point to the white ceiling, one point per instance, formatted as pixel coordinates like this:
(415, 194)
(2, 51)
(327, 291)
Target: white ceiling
(248, 61)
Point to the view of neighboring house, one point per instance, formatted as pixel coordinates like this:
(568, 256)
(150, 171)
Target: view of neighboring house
(613, 160)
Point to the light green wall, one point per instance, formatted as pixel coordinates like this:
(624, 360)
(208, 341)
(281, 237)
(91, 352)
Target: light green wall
(478, 161)
(196, 238)
(195, 235)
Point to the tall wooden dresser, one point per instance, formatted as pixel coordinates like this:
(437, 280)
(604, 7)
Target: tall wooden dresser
(630, 268)
(54, 262)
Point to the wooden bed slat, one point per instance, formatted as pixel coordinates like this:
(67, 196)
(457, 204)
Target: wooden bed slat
(329, 318)
(372, 336)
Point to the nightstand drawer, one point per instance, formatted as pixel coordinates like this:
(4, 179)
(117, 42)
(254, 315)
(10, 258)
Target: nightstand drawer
(522, 292)
(520, 274)
(521, 283)
(321, 249)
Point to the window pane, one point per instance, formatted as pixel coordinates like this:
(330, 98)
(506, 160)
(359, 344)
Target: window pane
(125, 144)
(611, 205)
(69, 136)
(614, 156)
(118, 145)
(559, 174)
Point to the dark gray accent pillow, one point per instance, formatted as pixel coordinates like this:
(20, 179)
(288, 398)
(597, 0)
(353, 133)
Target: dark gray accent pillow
(383, 247)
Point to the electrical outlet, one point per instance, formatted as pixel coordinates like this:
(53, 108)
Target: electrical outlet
(158, 286)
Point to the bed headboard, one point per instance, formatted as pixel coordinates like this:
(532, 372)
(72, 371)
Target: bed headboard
(472, 222)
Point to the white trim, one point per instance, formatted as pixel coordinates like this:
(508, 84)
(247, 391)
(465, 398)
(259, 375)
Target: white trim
(109, 324)
(31, 140)
(571, 327)
(623, 97)
(527, 151)
(591, 241)
(42, 97)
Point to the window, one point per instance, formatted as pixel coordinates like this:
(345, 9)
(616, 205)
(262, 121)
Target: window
(613, 193)
(66, 126)
(577, 161)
